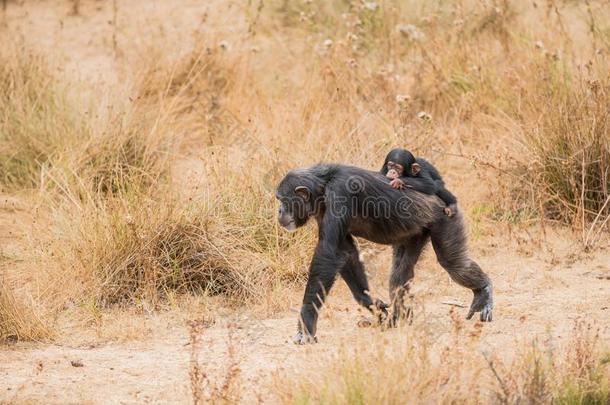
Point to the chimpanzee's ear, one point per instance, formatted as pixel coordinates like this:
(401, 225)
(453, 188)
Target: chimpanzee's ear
(415, 168)
(303, 192)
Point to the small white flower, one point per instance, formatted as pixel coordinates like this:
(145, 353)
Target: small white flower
(402, 99)
(424, 116)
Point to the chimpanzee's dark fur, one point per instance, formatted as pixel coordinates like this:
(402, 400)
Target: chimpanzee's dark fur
(348, 201)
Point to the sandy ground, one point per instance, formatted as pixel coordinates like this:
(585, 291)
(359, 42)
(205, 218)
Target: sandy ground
(540, 288)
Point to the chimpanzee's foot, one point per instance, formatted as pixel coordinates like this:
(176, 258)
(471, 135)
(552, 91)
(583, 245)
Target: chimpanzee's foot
(403, 315)
(304, 338)
(483, 303)
(381, 311)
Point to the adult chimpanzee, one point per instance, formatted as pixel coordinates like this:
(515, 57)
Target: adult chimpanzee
(348, 201)
(401, 166)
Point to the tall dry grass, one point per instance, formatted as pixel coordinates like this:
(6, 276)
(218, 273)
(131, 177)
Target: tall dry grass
(20, 319)
(38, 128)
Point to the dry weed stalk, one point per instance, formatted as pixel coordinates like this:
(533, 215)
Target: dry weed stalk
(197, 376)
(203, 390)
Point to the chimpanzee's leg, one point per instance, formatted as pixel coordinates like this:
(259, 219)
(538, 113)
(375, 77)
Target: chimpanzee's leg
(403, 264)
(449, 242)
(355, 278)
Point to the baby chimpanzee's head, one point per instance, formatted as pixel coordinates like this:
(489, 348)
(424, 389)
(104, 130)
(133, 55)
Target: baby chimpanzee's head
(397, 161)
(395, 170)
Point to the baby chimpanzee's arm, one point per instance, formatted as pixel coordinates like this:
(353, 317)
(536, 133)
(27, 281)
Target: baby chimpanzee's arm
(422, 183)
(445, 194)
(430, 172)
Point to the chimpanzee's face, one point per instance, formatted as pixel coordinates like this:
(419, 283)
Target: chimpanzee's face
(295, 206)
(395, 170)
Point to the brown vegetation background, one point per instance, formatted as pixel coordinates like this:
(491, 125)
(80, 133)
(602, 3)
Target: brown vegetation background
(140, 144)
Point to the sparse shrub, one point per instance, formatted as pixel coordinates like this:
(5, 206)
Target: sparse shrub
(134, 249)
(575, 374)
(569, 145)
(19, 318)
(38, 127)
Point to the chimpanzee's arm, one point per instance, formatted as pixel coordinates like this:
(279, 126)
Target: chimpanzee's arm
(328, 258)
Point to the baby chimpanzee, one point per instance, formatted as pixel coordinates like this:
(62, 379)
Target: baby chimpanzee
(401, 166)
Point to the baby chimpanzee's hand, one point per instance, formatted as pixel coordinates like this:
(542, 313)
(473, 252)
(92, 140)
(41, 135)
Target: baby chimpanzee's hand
(397, 183)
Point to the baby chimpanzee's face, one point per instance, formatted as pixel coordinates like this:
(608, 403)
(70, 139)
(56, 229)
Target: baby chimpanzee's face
(394, 170)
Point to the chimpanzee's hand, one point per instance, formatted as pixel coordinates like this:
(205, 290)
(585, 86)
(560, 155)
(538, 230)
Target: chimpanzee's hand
(304, 338)
(397, 183)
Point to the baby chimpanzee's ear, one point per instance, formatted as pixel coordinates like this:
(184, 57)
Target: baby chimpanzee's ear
(303, 192)
(415, 168)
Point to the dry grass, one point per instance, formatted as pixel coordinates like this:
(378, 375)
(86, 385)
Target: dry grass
(20, 319)
(414, 366)
(38, 128)
(569, 151)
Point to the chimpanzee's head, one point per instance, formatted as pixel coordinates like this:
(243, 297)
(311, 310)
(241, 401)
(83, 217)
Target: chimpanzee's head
(296, 194)
(398, 163)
